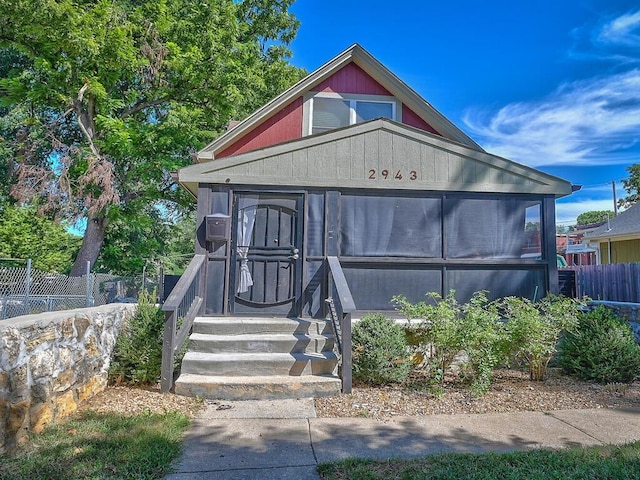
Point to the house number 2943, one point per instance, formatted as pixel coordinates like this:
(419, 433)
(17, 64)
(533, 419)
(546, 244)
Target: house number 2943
(390, 174)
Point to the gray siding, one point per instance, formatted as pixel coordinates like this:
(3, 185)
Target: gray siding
(377, 155)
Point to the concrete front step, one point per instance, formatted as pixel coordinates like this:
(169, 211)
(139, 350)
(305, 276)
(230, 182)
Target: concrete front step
(257, 388)
(249, 325)
(264, 343)
(257, 364)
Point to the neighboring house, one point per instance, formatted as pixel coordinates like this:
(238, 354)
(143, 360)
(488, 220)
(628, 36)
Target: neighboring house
(574, 248)
(351, 162)
(618, 240)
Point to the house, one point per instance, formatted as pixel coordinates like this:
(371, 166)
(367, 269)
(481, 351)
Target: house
(618, 240)
(357, 165)
(351, 167)
(573, 247)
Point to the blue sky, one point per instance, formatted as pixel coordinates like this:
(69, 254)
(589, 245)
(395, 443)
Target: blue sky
(551, 84)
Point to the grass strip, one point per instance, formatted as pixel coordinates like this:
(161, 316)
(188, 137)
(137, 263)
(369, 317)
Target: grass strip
(100, 446)
(604, 462)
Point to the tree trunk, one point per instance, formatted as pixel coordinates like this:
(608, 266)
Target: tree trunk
(91, 244)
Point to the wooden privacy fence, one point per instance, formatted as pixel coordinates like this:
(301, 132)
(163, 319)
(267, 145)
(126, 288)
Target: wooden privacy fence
(616, 282)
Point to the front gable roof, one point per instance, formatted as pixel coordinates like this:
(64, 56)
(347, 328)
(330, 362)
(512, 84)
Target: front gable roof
(378, 72)
(624, 224)
(379, 154)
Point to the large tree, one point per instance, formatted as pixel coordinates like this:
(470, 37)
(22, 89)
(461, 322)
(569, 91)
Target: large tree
(594, 216)
(632, 186)
(103, 99)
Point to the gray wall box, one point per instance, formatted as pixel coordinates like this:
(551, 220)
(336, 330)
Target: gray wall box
(218, 227)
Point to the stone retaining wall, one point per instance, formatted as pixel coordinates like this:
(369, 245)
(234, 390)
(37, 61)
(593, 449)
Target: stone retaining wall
(51, 362)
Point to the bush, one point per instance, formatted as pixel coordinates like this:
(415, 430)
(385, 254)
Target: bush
(379, 350)
(484, 341)
(449, 329)
(534, 328)
(602, 349)
(137, 355)
(437, 338)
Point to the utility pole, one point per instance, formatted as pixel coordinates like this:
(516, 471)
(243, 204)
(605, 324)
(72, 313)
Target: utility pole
(615, 200)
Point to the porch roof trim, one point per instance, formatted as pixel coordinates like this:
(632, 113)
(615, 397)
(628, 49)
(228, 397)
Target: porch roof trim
(357, 156)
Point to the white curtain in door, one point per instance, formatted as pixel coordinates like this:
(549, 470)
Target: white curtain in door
(246, 221)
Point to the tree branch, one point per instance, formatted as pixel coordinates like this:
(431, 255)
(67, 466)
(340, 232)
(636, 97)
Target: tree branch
(85, 121)
(142, 105)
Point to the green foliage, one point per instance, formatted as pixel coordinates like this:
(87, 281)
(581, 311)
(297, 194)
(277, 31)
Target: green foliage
(601, 349)
(100, 446)
(100, 101)
(137, 356)
(534, 328)
(154, 238)
(437, 336)
(486, 334)
(180, 245)
(632, 186)
(26, 234)
(484, 341)
(594, 216)
(379, 350)
(601, 462)
(448, 329)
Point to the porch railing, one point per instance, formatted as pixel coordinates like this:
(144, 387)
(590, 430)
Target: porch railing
(341, 306)
(182, 306)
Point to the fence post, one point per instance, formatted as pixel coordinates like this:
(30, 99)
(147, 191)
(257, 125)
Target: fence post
(160, 291)
(89, 287)
(27, 289)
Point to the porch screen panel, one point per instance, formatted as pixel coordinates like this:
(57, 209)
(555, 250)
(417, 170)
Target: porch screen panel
(215, 287)
(373, 287)
(372, 226)
(315, 225)
(497, 282)
(314, 279)
(486, 228)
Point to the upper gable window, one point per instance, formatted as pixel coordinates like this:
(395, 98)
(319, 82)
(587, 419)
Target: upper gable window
(329, 111)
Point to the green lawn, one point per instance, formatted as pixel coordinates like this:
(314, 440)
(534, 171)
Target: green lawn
(100, 446)
(594, 463)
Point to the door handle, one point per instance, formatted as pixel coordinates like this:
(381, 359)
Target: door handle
(295, 256)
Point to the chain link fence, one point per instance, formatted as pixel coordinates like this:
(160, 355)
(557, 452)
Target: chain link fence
(25, 290)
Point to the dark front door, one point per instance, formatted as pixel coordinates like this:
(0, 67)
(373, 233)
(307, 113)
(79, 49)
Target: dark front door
(267, 254)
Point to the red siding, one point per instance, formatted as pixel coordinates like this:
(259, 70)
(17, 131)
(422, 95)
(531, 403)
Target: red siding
(409, 117)
(351, 79)
(283, 126)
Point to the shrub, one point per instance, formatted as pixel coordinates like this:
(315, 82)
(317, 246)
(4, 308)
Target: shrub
(137, 355)
(379, 350)
(436, 339)
(484, 340)
(534, 328)
(449, 329)
(601, 349)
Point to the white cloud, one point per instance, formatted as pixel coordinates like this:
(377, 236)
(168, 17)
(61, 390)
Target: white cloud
(624, 30)
(581, 123)
(567, 213)
(593, 198)
(586, 122)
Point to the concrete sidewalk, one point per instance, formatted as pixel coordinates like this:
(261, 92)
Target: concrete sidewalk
(283, 440)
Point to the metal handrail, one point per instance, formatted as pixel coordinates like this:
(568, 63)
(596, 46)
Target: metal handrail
(341, 307)
(185, 302)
